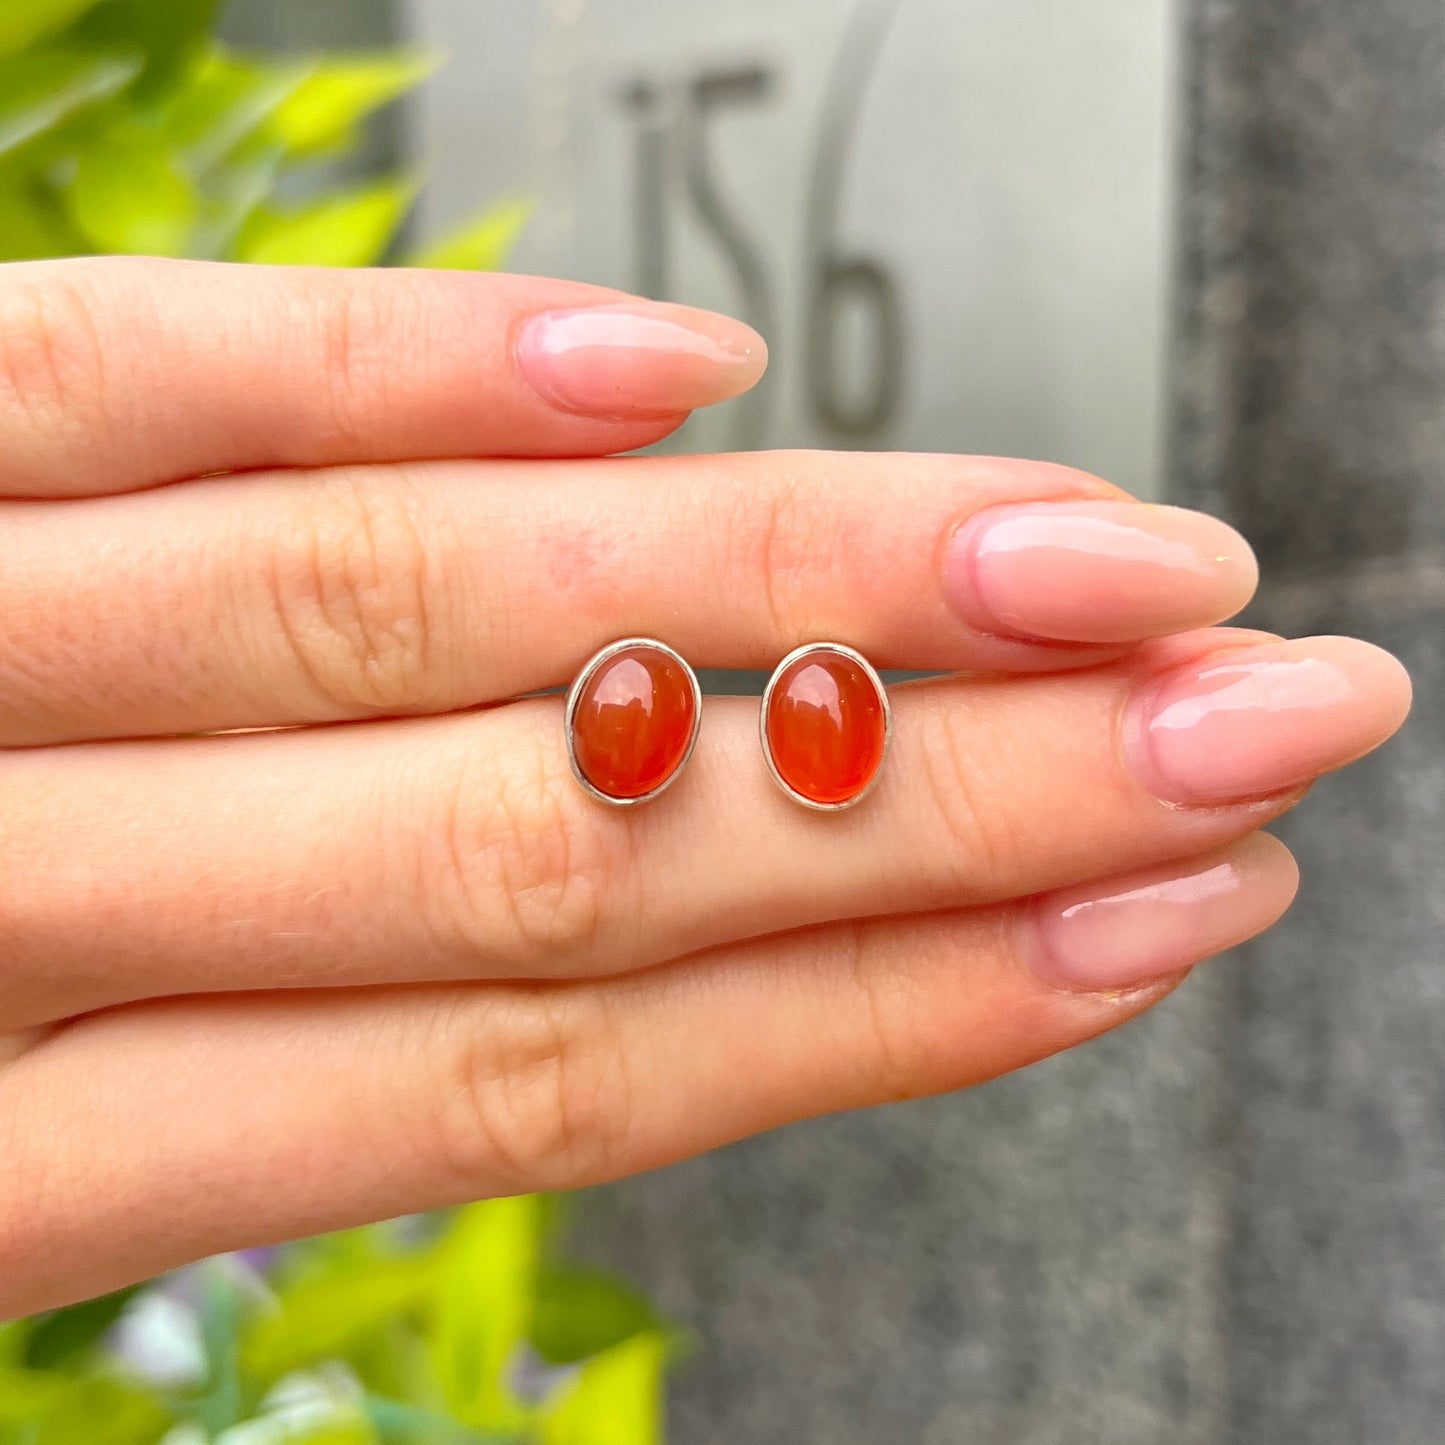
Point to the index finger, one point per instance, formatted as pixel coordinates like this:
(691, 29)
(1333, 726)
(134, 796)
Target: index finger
(118, 373)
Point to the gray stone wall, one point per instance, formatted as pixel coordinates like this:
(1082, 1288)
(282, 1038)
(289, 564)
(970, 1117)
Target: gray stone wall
(1313, 413)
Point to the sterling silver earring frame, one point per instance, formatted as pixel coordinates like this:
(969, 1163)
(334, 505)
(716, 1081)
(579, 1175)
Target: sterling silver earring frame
(589, 670)
(871, 673)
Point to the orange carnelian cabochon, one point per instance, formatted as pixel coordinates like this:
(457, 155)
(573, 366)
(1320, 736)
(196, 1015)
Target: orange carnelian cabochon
(633, 722)
(826, 727)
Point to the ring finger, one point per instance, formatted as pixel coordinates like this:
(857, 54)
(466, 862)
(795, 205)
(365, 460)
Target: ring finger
(460, 847)
(318, 596)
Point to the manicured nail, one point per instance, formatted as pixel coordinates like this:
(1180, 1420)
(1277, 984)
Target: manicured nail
(1257, 720)
(1096, 572)
(638, 359)
(1155, 924)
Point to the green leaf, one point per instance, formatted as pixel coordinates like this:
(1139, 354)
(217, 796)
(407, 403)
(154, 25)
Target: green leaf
(130, 194)
(54, 1409)
(14, 1336)
(481, 244)
(25, 1394)
(23, 22)
(214, 117)
(230, 197)
(353, 228)
(301, 1427)
(32, 224)
(616, 1399)
(62, 1335)
(325, 108)
(220, 1326)
(171, 32)
(400, 1424)
(580, 1313)
(322, 1316)
(221, 102)
(487, 1272)
(43, 89)
(105, 1412)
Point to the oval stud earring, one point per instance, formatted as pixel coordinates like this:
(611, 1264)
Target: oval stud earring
(826, 724)
(632, 720)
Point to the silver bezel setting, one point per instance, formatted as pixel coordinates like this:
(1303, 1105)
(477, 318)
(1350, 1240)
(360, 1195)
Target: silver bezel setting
(807, 650)
(574, 696)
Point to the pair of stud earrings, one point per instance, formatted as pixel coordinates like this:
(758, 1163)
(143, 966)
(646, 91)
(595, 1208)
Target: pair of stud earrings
(634, 712)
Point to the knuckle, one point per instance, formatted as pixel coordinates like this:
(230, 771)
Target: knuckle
(976, 834)
(530, 876)
(778, 565)
(815, 566)
(771, 535)
(877, 987)
(349, 589)
(535, 1093)
(361, 325)
(52, 362)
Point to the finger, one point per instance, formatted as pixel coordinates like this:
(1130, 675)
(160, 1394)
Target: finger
(135, 1141)
(463, 848)
(267, 601)
(118, 373)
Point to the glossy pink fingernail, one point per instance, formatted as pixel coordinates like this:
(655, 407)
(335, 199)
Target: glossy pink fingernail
(1257, 720)
(1096, 572)
(638, 358)
(1154, 924)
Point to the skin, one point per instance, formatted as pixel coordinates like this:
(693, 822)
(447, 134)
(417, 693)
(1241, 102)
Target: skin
(305, 922)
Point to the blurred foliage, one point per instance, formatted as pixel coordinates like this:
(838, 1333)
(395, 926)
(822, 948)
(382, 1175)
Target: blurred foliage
(461, 1329)
(126, 127)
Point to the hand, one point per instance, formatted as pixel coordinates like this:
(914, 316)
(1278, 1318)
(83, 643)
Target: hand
(380, 953)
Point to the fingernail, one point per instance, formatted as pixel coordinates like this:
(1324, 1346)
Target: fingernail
(1256, 720)
(1158, 923)
(638, 359)
(1096, 572)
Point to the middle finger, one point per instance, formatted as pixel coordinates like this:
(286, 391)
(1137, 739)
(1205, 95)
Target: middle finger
(284, 598)
(460, 847)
